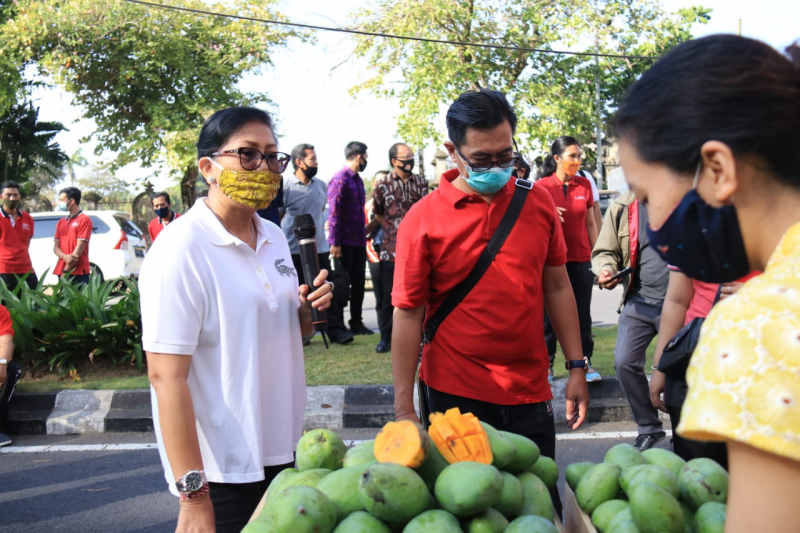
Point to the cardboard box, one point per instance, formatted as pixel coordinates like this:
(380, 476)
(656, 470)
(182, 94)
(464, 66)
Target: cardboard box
(575, 520)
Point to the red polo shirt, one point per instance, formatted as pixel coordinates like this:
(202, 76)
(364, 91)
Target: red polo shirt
(68, 231)
(576, 199)
(14, 242)
(491, 347)
(6, 326)
(156, 225)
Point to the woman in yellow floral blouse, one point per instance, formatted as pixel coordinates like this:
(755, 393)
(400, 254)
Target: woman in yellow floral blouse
(710, 141)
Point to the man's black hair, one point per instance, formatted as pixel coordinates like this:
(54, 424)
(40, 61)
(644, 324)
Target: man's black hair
(299, 152)
(73, 193)
(164, 195)
(393, 151)
(482, 109)
(9, 185)
(353, 149)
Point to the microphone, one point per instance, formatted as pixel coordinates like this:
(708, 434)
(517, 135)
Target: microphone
(305, 232)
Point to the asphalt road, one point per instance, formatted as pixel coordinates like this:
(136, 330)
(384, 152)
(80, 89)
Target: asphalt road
(75, 487)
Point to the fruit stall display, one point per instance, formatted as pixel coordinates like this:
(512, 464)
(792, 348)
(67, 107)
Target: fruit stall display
(462, 475)
(654, 491)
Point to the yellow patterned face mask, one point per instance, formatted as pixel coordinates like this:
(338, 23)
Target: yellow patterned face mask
(253, 188)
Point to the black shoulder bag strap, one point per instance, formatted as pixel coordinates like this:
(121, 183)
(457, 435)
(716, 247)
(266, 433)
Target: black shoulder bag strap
(460, 291)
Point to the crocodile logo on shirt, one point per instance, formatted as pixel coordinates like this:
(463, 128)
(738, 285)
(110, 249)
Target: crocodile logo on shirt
(284, 270)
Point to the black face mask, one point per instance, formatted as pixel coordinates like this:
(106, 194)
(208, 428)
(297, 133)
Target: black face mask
(406, 166)
(362, 165)
(310, 172)
(162, 212)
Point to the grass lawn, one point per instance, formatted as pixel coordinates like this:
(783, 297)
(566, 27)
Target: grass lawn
(355, 363)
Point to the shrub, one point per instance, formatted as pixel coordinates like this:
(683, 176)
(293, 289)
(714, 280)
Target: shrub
(61, 327)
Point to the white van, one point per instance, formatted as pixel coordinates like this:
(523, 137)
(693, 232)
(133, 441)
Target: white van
(116, 249)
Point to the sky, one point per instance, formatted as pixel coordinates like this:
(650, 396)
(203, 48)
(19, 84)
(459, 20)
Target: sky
(310, 84)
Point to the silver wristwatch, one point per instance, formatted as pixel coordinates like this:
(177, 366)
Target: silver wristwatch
(191, 481)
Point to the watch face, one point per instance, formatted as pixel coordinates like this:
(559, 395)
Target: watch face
(193, 481)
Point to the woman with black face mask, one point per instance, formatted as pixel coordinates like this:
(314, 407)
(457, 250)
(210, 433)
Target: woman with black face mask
(710, 141)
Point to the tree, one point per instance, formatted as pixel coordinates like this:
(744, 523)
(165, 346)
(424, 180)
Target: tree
(553, 94)
(28, 153)
(148, 77)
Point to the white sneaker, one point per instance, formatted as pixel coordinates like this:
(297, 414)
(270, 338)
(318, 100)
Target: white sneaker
(5, 440)
(593, 375)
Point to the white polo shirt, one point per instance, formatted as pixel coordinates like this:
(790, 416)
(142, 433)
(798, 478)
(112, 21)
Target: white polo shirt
(207, 295)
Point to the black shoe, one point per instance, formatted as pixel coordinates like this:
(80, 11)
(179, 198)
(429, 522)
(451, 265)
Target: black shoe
(340, 336)
(645, 441)
(358, 328)
(383, 347)
(5, 440)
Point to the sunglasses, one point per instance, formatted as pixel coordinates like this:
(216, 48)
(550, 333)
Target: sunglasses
(250, 158)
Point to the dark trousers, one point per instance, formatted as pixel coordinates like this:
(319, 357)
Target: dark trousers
(234, 503)
(533, 420)
(11, 280)
(382, 280)
(638, 324)
(6, 393)
(692, 449)
(76, 279)
(582, 280)
(354, 262)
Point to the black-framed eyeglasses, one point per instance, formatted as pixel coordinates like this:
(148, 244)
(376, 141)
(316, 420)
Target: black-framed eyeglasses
(484, 165)
(250, 158)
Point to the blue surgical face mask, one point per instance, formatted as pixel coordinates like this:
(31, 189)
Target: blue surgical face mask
(489, 181)
(61, 206)
(703, 241)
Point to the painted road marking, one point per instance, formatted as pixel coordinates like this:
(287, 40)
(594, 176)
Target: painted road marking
(125, 447)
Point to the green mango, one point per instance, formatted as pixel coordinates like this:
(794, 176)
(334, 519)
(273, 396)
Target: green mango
(703, 480)
(526, 452)
(510, 502)
(710, 518)
(531, 524)
(655, 510)
(360, 454)
(320, 448)
(575, 472)
(623, 455)
(489, 521)
(623, 523)
(467, 488)
(361, 522)
(341, 487)
(503, 449)
(432, 465)
(669, 460)
(547, 470)
(433, 520)
(605, 512)
(301, 509)
(655, 474)
(599, 484)
(393, 493)
(535, 497)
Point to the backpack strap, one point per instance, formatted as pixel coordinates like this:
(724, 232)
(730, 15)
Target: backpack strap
(460, 291)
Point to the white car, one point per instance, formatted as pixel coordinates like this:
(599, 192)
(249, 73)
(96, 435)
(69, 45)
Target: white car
(116, 248)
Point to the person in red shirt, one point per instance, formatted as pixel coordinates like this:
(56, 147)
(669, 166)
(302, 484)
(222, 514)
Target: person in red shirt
(488, 356)
(16, 231)
(9, 371)
(572, 195)
(162, 207)
(72, 238)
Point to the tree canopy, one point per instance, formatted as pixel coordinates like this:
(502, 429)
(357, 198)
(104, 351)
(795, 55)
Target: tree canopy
(553, 94)
(147, 77)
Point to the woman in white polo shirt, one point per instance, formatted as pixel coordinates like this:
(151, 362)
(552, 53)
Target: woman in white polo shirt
(223, 320)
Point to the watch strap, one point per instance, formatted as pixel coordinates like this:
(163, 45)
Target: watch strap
(577, 363)
(202, 491)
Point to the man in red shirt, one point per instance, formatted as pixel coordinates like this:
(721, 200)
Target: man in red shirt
(162, 207)
(72, 238)
(488, 356)
(9, 371)
(16, 231)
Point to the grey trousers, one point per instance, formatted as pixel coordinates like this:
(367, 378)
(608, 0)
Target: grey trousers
(638, 324)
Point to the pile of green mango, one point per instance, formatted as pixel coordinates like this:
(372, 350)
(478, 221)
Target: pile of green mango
(340, 490)
(654, 491)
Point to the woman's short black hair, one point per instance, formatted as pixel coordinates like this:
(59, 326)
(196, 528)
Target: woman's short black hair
(482, 109)
(219, 127)
(732, 89)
